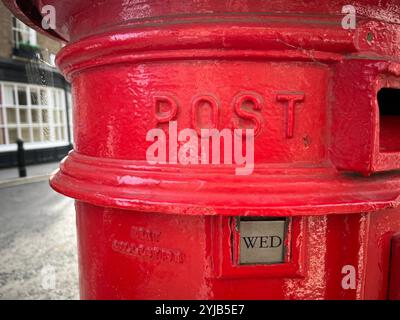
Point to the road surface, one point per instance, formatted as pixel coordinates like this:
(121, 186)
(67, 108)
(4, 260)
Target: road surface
(37, 244)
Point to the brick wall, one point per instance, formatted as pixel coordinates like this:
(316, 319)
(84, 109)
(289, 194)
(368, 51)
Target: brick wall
(5, 32)
(47, 45)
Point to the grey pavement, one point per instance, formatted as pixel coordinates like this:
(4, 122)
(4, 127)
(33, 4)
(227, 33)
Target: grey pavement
(38, 257)
(32, 170)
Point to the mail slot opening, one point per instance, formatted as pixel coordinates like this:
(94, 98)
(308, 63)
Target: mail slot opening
(389, 119)
(262, 241)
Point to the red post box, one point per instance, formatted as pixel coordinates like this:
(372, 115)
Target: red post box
(318, 82)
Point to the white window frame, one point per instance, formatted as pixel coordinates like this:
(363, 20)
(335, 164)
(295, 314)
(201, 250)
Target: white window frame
(56, 116)
(70, 115)
(28, 34)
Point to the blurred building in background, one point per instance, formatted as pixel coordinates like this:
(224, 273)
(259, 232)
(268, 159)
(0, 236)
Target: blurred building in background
(35, 99)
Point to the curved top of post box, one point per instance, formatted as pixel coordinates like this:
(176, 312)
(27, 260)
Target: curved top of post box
(79, 19)
(121, 33)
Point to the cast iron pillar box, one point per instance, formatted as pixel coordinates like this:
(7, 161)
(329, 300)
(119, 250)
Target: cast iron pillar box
(318, 82)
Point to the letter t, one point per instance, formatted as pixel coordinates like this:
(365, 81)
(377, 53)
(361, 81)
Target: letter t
(291, 99)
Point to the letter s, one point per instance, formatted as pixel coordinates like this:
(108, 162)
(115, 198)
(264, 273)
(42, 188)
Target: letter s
(255, 101)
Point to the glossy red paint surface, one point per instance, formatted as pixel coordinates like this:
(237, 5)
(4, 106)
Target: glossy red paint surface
(326, 155)
(134, 255)
(394, 287)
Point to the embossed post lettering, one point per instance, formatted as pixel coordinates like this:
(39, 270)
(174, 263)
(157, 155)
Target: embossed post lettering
(291, 99)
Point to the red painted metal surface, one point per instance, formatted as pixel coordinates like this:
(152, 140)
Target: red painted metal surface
(394, 288)
(326, 153)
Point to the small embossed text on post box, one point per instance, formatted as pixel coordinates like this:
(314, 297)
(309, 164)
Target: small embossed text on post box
(261, 241)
